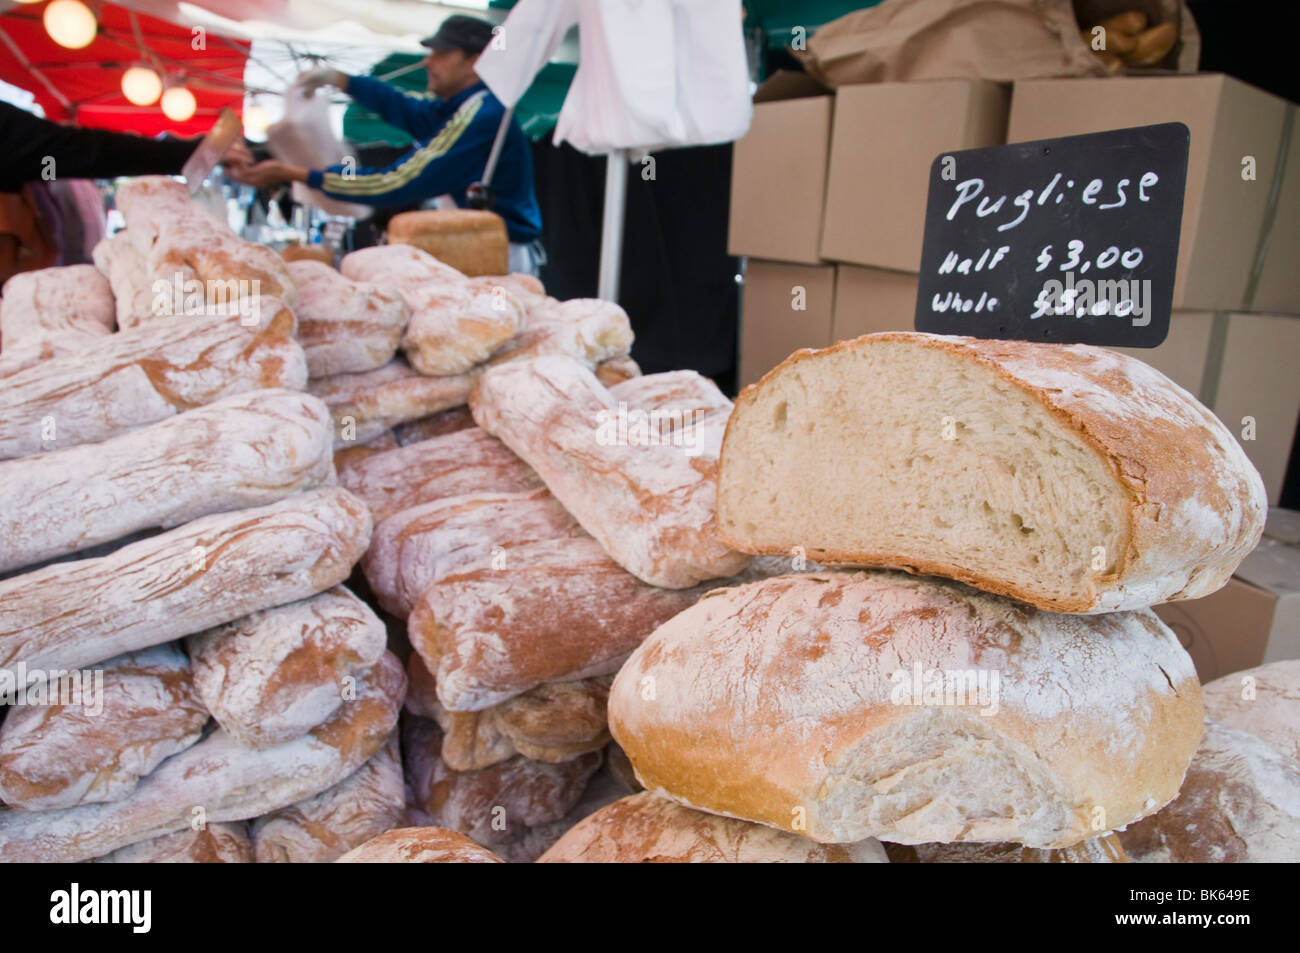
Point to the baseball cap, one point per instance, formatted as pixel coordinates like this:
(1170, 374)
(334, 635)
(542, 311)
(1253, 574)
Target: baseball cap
(461, 33)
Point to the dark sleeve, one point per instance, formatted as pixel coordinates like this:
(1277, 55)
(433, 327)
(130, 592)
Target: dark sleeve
(76, 153)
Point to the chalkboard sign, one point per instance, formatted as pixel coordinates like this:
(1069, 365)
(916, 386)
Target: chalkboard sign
(1069, 240)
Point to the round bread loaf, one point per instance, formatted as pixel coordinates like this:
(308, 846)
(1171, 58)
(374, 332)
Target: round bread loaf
(1096, 850)
(1262, 701)
(1239, 804)
(645, 829)
(843, 706)
(419, 845)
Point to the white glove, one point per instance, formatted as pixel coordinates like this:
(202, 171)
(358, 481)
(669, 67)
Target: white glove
(313, 79)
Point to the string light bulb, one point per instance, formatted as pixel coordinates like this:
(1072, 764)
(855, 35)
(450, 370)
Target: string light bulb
(256, 122)
(179, 104)
(141, 86)
(70, 24)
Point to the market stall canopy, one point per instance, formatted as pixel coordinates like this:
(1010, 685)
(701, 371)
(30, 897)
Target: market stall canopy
(85, 84)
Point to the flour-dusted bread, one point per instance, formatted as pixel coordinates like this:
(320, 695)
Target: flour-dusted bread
(414, 548)
(344, 326)
(367, 404)
(124, 267)
(321, 829)
(453, 323)
(645, 829)
(467, 461)
(144, 375)
(239, 452)
(647, 497)
(208, 844)
(680, 398)
(616, 370)
(496, 805)
(1070, 477)
(419, 845)
(1262, 701)
(1239, 804)
(216, 780)
(207, 572)
(527, 289)
(100, 732)
(1106, 849)
(850, 705)
(277, 673)
(435, 425)
(589, 330)
(353, 453)
(555, 610)
(53, 311)
(473, 241)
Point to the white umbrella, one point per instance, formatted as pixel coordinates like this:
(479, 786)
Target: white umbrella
(652, 74)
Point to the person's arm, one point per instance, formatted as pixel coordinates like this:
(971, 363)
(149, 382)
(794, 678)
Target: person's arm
(448, 163)
(405, 110)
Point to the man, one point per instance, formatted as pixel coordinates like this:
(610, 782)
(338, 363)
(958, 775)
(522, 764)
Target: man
(453, 135)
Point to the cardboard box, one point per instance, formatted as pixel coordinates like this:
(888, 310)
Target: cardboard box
(872, 299)
(1185, 352)
(1278, 290)
(783, 307)
(1223, 213)
(1258, 379)
(778, 172)
(884, 139)
(1256, 617)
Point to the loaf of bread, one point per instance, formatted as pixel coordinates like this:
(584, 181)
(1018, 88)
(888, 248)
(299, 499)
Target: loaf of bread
(365, 405)
(850, 705)
(1262, 701)
(616, 370)
(325, 827)
(435, 425)
(1106, 849)
(588, 330)
(210, 844)
(124, 267)
(300, 252)
(216, 780)
(242, 451)
(556, 610)
(453, 325)
(419, 845)
(527, 289)
(553, 722)
(645, 829)
(495, 805)
(646, 495)
(142, 376)
(1070, 477)
(354, 453)
(54, 311)
(414, 548)
(277, 673)
(472, 241)
(1239, 804)
(681, 397)
(207, 572)
(344, 326)
(467, 461)
(101, 732)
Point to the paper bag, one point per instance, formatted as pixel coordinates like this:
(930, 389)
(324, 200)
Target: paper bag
(303, 137)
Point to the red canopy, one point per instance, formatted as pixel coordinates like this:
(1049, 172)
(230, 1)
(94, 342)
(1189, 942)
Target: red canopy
(85, 85)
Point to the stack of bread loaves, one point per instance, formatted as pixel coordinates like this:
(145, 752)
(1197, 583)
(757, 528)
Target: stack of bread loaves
(1075, 487)
(177, 656)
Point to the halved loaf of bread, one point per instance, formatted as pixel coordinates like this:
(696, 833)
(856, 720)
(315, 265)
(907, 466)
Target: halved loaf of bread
(1070, 477)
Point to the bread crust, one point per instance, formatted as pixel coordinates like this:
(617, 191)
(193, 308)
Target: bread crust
(419, 845)
(1165, 450)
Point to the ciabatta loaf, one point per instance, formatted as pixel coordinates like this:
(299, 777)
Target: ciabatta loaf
(367, 404)
(435, 425)
(242, 451)
(645, 829)
(53, 311)
(1239, 804)
(644, 490)
(1070, 477)
(344, 326)
(144, 375)
(101, 732)
(616, 370)
(207, 572)
(419, 845)
(209, 844)
(321, 829)
(216, 780)
(124, 267)
(275, 674)
(1262, 701)
(588, 330)
(842, 706)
